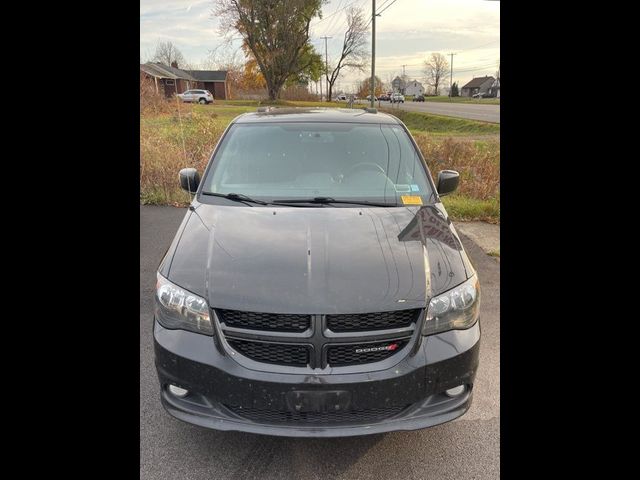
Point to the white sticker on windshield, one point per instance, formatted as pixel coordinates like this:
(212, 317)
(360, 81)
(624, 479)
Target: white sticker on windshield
(402, 187)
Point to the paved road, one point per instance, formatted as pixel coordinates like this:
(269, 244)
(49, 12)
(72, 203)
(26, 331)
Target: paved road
(466, 448)
(473, 111)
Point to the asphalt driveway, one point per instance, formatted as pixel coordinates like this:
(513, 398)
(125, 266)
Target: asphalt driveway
(466, 448)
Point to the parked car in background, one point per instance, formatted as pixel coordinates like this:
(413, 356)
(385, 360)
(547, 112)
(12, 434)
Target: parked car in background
(397, 98)
(384, 97)
(199, 96)
(418, 98)
(479, 95)
(292, 321)
(375, 99)
(341, 98)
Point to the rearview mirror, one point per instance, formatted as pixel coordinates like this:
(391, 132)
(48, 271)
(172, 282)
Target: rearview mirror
(189, 179)
(448, 181)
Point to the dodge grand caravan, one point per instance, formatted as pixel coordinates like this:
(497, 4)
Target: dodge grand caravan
(316, 286)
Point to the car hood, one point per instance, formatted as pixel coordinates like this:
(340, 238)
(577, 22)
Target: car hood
(318, 260)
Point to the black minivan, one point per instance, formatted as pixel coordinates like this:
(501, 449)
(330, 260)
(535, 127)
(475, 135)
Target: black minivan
(316, 286)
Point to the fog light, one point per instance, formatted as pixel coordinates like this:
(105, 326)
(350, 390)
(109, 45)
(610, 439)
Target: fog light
(177, 391)
(455, 391)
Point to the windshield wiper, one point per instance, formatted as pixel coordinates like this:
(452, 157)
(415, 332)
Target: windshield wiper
(237, 197)
(330, 200)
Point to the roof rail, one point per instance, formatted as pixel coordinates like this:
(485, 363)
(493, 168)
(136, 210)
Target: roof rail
(371, 110)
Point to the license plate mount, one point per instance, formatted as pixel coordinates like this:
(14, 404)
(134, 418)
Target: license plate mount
(320, 402)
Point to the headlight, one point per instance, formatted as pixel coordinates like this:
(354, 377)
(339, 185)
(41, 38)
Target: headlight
(178, 308)
(456, 309)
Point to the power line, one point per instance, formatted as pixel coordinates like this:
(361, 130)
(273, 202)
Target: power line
(332, 23)
(384, 3)
(481, 46)
(380, 12)
(485, 67)
(339, 25)
(329, 16)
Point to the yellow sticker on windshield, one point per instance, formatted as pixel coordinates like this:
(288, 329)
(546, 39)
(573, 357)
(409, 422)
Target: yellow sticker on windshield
(411, 199)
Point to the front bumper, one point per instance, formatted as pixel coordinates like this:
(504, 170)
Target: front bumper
(222, 392)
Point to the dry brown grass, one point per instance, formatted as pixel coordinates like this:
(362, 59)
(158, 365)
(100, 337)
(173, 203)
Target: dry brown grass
(177, 137)
(477, 161)
(152, 103)
(298, 93)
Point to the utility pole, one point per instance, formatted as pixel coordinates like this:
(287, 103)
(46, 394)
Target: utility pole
(326, 67)
(373, 50)
(451, 76)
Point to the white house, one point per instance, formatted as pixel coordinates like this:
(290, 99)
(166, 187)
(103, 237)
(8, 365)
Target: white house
(414, 88)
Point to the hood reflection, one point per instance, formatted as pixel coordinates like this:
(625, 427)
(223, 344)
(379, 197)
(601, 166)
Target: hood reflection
(317, 260)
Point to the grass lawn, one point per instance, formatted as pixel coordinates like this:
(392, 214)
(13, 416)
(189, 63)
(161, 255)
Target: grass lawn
(466, 208)
(439, 124)
(185, 135)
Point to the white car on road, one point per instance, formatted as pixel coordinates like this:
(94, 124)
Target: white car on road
(397, 97)
(200, 96)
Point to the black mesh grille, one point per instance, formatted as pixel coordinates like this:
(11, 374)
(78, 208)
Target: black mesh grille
(372, 321)
(340, 355)
(265, 321)
(325, 418)
(278, 353)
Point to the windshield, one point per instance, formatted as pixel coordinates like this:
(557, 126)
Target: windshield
(348, 161)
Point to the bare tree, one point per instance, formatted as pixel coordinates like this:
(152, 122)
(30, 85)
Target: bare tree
(168, 53)
(436, 70)
(228, 58)
(354, 52)
(275, 32)
(224, 57)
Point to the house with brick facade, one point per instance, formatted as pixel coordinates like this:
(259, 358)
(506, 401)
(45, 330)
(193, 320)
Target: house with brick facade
(170, 80)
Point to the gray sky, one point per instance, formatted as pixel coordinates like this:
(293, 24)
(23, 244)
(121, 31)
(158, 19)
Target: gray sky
(406, 33)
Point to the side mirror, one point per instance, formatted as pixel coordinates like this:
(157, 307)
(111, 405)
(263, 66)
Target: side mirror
(189, 179)
(448, 181)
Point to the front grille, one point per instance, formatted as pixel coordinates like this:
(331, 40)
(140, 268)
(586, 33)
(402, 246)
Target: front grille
(358, 322)
(316, 341)
(323, 418)
(341, 355)
(277, 353)
(264, 321)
